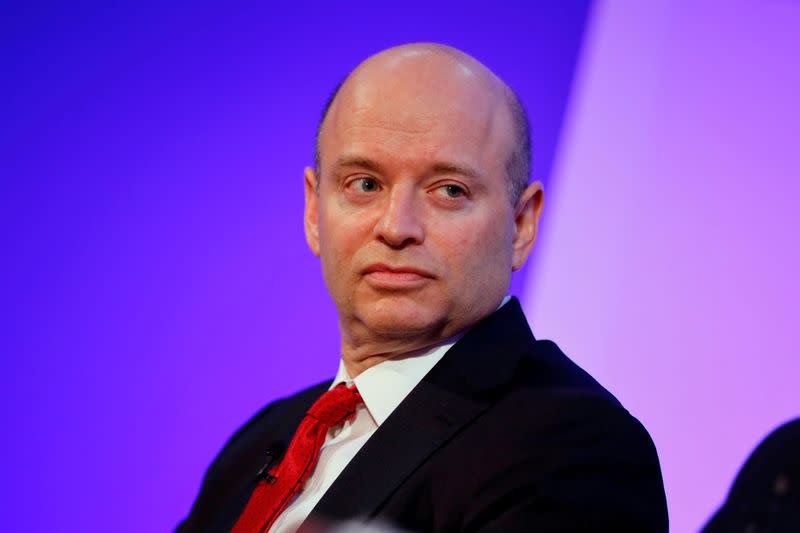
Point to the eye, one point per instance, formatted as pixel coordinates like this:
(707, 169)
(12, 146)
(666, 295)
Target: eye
(364, 184)
(452, 190)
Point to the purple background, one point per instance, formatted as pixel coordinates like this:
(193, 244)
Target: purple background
(157, 285)
(155, 276)
(670, 266)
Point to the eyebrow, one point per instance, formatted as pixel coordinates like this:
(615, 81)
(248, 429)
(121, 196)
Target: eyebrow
(437, 168)
(450, 168)
(359, 162)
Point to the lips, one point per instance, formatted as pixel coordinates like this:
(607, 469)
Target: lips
(398, 270)
(386, 276)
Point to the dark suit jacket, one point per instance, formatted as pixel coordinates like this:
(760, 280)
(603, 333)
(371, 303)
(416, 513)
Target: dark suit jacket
(505, 433)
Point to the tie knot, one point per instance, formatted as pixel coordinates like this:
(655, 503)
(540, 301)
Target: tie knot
(336, 405)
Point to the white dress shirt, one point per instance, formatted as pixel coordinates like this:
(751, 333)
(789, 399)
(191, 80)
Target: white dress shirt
(382, 387)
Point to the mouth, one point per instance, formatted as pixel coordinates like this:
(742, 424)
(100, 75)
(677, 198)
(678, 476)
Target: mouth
(386, 276)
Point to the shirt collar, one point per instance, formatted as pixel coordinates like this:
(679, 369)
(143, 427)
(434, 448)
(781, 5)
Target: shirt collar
(386, 384)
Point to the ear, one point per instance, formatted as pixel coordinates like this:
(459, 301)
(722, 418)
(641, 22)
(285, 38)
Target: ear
(526, 222)
(310, 218)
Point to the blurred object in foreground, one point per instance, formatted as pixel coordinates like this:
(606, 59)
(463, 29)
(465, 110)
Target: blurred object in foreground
(317, 525)
(765, 496)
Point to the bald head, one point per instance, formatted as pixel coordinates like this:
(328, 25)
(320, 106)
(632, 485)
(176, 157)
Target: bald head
(406, 74)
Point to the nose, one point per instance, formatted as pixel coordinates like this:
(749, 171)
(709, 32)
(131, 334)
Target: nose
(399, 224)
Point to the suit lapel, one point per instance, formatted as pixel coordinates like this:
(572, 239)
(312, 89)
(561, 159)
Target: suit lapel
(266, 447)
(459, 388)
(405, 440)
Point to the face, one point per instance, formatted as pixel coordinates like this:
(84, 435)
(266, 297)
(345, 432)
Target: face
(411, 216)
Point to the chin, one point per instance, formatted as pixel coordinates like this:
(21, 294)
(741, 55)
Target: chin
(401, 317)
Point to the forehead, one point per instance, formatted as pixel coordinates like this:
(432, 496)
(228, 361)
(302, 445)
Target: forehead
(415, 115)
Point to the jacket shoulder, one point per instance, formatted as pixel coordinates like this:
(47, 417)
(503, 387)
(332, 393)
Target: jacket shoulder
(237, 464)
(576, 454)
(545, 367)
(270, 419)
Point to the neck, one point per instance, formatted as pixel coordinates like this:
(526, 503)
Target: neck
(358, 357)
(363, 348)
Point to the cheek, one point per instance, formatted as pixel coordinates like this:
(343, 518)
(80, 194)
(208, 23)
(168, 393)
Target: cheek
(339, 239)
(470, 245)
(484, 250)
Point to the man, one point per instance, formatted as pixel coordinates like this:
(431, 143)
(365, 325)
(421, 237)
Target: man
(452, 417)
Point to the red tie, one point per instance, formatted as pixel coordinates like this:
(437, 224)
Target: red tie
(273, 494)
